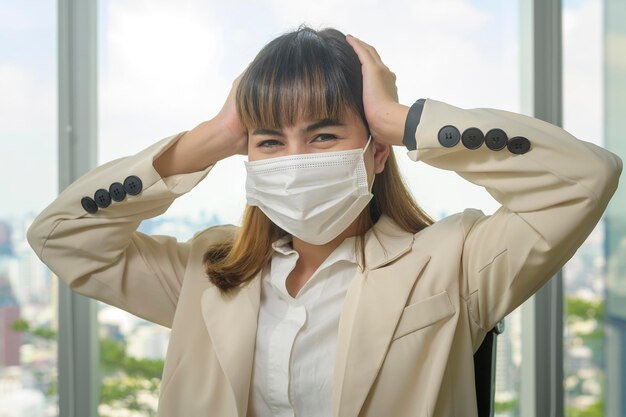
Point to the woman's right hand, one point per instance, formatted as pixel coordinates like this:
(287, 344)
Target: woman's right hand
(230, 120)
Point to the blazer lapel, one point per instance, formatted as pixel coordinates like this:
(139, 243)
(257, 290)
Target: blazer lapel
(373, 305)
(232, 322)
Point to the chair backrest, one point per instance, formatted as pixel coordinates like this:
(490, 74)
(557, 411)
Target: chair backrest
(485, 372)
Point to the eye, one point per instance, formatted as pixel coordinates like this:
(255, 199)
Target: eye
(268, 143)
(327, 135)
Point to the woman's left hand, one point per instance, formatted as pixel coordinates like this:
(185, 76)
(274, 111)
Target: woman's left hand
(385, 116)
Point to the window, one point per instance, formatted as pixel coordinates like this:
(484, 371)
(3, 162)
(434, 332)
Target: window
(594, 104)
(28, 139)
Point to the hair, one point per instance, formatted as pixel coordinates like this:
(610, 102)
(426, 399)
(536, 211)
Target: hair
(310, 74)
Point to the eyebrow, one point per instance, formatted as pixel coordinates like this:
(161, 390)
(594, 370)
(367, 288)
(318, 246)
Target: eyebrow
(314, 126)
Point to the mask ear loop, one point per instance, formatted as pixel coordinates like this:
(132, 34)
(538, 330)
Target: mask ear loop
(367, 144)
(371, 187)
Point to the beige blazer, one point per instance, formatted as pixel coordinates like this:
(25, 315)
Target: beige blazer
(411, 322)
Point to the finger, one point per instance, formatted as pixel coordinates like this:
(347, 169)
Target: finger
(364, 55)
(369, 48)
(372, 50)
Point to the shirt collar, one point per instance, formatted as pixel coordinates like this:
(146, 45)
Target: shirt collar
(345, 251)
(283, 245)
(285, 257)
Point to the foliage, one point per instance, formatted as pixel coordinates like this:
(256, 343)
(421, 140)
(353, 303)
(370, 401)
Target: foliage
(510, 406)
(594, 410)
(580, 309)
(124, 378)
(46, 333)
(20, 326)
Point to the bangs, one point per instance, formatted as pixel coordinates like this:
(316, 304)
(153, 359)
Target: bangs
(294, 79)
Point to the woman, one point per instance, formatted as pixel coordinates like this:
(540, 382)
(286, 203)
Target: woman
(337, 295)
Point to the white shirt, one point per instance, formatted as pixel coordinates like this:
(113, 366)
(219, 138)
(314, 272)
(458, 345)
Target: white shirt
(296, 337)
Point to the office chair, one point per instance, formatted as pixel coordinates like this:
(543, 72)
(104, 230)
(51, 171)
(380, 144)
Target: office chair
(485, 371)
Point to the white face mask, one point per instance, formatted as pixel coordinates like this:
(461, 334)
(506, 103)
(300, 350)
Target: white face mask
(313, 196)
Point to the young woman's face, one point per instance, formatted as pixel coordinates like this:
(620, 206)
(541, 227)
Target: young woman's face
(312, 136)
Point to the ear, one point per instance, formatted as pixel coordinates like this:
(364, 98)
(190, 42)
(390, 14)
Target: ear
(381, 152)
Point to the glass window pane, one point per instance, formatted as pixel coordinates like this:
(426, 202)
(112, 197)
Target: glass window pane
(28, 139)
(584, 278)
(164, 68)
(614, 42)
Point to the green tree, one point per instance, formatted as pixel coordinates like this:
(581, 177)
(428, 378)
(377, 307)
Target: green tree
(124, 377)
(580, 309)
(577, 310)
(511, 407)
(594, 410)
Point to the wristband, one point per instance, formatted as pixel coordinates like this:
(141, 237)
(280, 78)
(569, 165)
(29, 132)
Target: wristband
(410, 126)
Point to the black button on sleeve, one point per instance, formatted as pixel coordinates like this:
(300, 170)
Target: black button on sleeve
(496, 139)
(102, 198)
(89, 204)
(518, 145)
(117, 191)
(133, 185)
(472, 138)
(449, 136)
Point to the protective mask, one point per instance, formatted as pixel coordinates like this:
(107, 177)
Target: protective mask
(313, 196)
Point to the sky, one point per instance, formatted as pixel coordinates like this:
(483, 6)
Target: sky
(164, 67)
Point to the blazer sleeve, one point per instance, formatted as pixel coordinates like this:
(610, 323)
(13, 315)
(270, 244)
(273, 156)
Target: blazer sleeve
(553, 189)
(101, 255)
